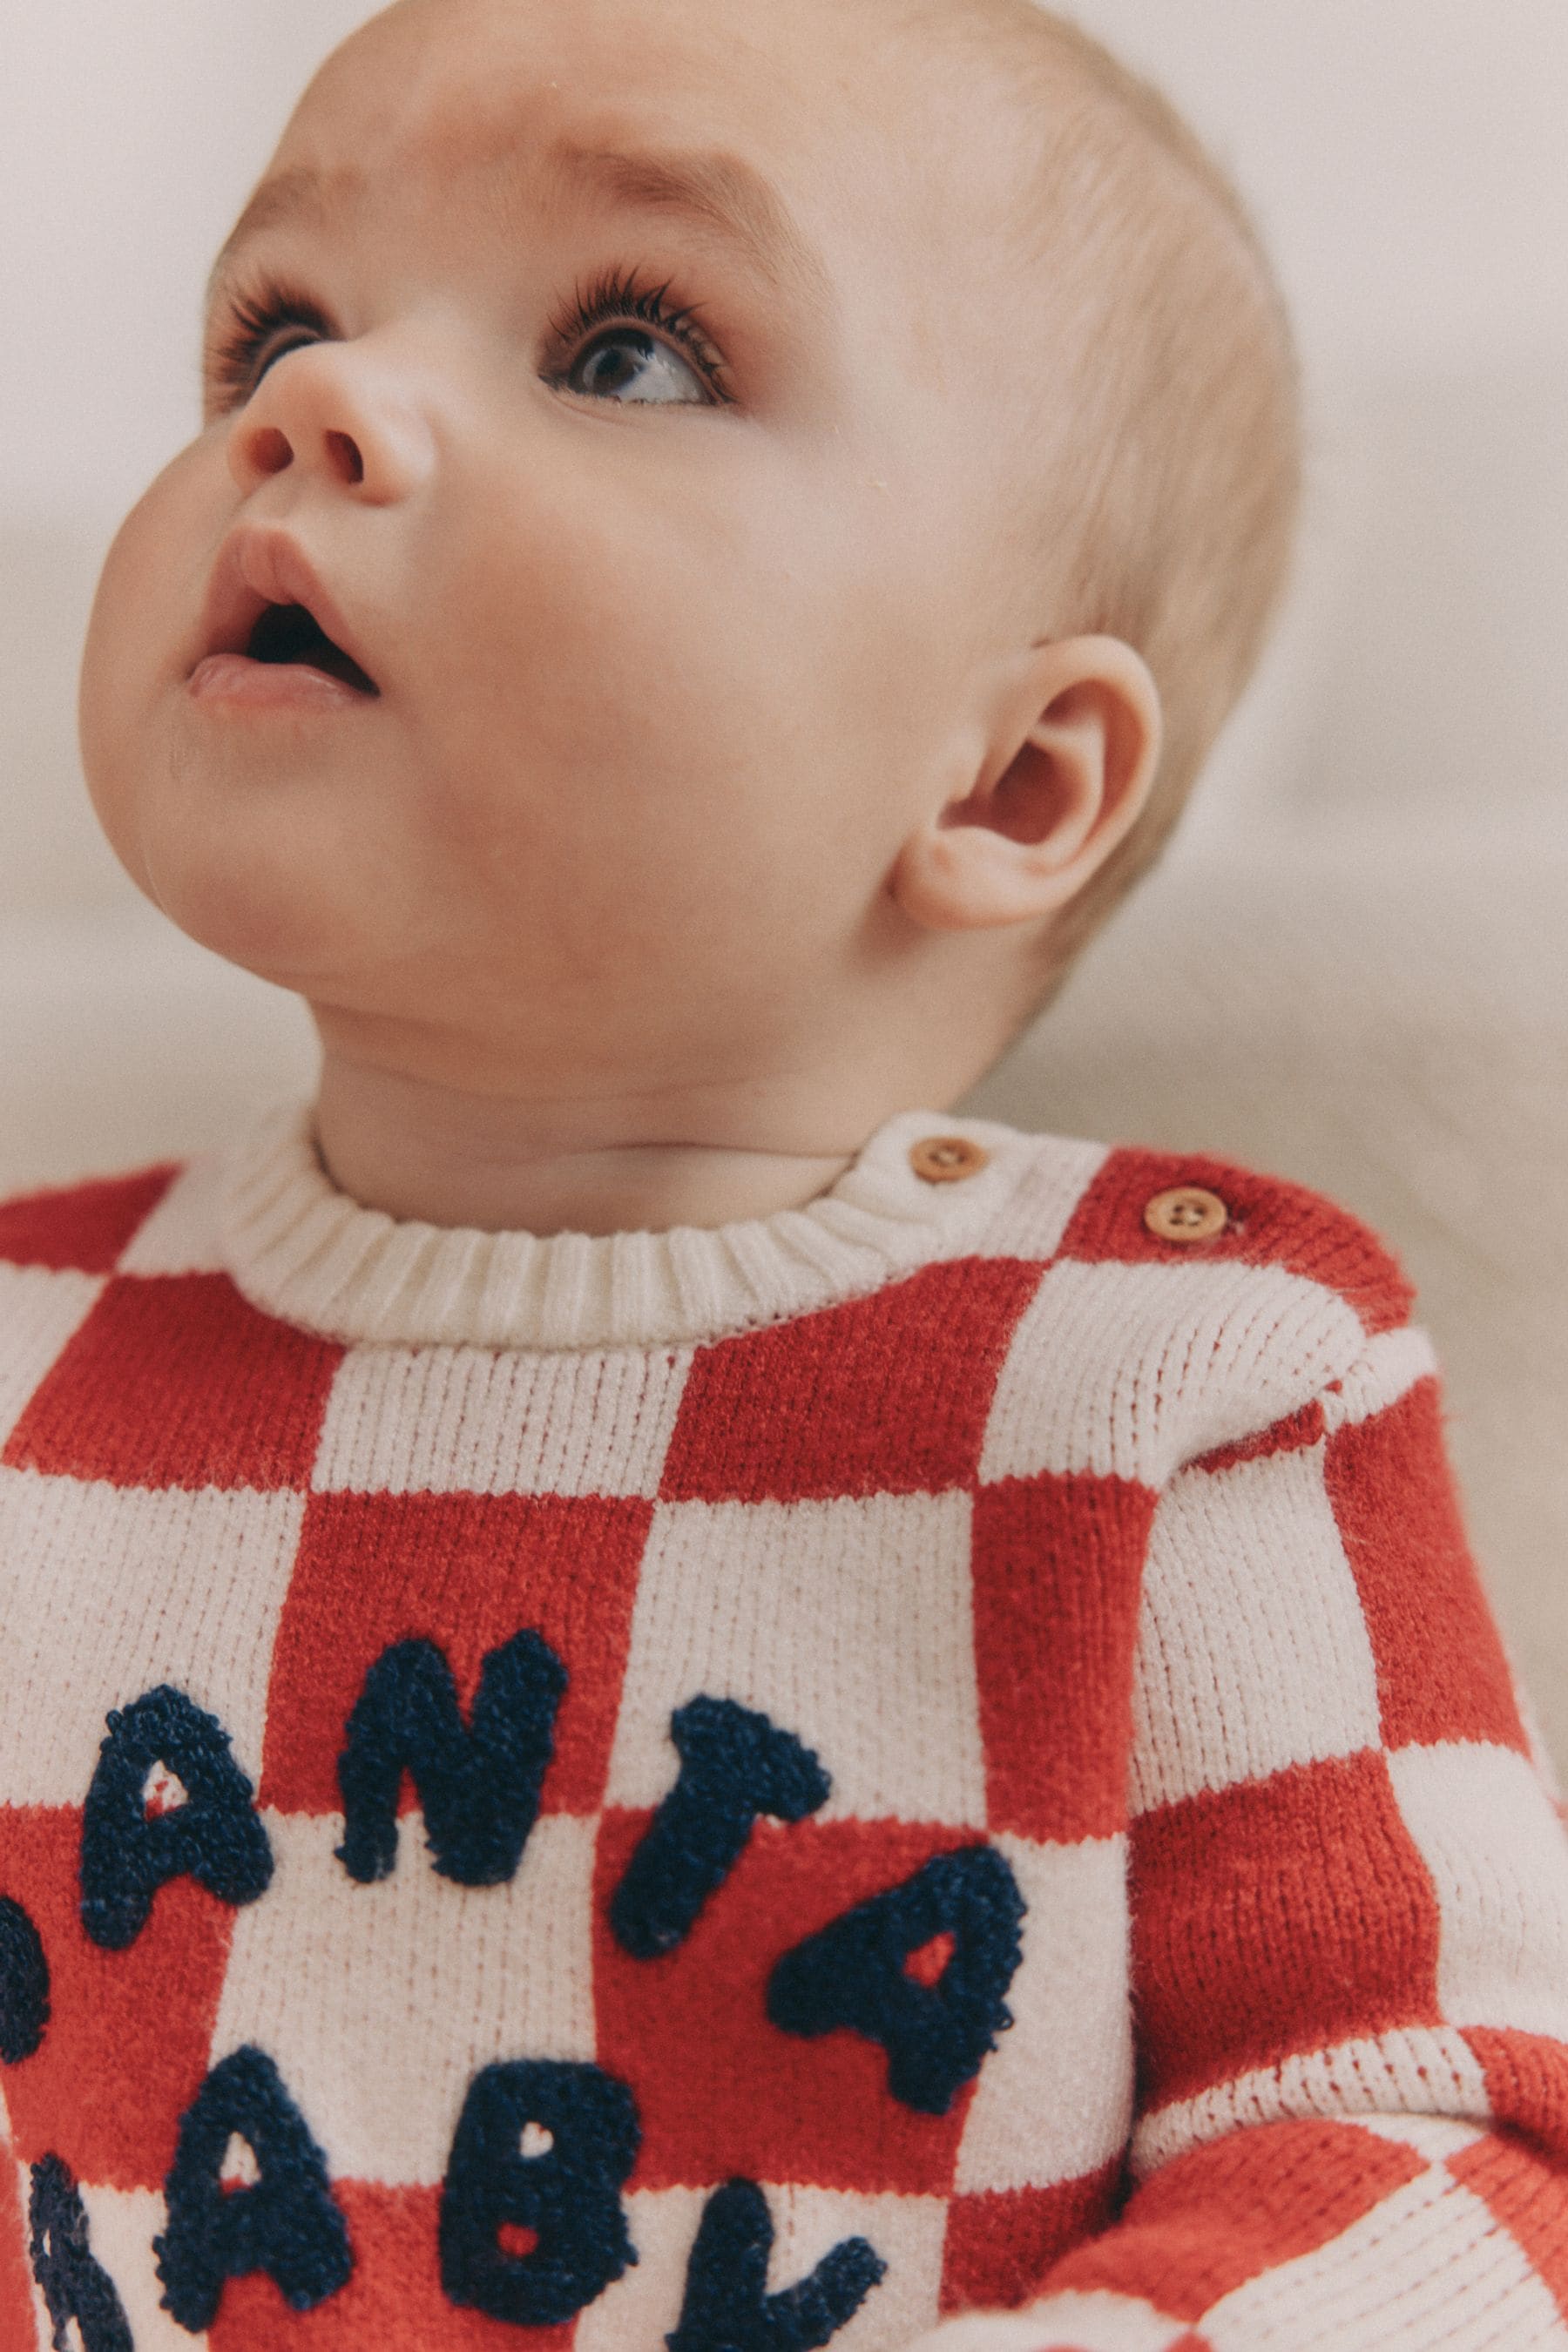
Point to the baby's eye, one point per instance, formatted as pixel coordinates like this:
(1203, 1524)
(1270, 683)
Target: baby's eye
(624, 341)
(629, 365)
(259, 331)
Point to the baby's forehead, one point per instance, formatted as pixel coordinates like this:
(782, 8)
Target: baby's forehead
(847, 108)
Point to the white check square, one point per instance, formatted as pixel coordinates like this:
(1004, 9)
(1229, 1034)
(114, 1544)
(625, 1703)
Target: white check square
(849, 1624)
(380, 2003)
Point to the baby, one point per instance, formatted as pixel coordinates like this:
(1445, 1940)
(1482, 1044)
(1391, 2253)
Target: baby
(655, 1694)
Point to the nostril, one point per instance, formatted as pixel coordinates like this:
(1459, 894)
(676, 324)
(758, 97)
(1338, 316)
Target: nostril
(344, 454)
(269, 450)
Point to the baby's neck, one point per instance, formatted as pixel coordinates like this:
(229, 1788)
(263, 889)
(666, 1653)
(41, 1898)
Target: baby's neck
(449, 1158)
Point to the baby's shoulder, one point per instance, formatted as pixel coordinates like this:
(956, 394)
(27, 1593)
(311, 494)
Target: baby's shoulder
(1178, 1303)
(1132, 1207)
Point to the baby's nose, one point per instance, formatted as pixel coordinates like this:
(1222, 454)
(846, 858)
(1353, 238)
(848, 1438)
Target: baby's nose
(270, 451)
(335, 416)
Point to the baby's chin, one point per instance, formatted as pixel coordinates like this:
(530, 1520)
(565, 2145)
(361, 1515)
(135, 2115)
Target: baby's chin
(277, 927)
(272, 873)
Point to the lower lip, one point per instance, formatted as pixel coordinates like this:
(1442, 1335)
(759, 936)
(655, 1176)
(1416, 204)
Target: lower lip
(235, 679)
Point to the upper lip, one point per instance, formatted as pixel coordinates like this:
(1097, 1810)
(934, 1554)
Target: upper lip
(258, 566)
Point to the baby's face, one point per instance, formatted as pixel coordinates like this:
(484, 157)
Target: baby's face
(649, 503)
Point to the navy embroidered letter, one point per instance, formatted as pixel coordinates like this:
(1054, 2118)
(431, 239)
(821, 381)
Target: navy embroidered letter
(728, 2307)
(285, 2224)
(480, 1788)
(538, 2159)
(24, 1984)
(73, 2283)
(734, 1766)
(853, 1974)
(128, 1851)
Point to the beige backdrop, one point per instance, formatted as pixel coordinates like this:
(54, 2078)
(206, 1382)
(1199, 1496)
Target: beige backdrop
(1352, 968)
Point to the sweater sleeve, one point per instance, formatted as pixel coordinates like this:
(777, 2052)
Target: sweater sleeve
(1349, 1923)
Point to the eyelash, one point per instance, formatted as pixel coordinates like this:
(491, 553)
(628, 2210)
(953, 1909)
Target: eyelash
(617, 295)
(256, 316)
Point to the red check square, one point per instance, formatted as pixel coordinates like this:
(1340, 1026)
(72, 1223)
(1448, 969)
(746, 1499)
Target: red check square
(127, 2043)
(1055, 1565)
(884, 1396)
(16, 2325)
(1278, 1916)
(722, 2092)
(1524, 2190)
(467, 1572)
(1222, 2215)
(1001, 2244)
(392, 2299)
(1441, 1671)
(176, 1380)
(81, 1228)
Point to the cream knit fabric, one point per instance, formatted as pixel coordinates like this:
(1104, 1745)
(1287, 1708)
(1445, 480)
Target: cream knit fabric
(300, 1250)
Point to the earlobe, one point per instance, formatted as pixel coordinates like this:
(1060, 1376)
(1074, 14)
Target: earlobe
(1070, 759)
(962, 878)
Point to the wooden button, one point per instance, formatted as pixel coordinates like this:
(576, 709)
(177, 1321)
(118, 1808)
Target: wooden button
(947, 1159)
(1186, 1213)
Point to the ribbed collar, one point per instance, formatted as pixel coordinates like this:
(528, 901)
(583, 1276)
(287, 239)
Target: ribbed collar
(301, 1249)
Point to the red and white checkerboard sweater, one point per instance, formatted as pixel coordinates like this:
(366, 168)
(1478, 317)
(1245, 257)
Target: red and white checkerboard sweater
(800, 1648)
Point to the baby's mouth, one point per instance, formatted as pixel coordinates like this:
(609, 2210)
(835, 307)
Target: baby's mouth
(285, 633)
(270, 638)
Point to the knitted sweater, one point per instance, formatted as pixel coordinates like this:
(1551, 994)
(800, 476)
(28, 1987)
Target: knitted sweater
(936, 1753)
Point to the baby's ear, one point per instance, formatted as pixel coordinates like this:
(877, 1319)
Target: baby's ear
(1073, 745)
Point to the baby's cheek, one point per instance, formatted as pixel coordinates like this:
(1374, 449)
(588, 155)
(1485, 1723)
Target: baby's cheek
(147, 605)
(113, 704)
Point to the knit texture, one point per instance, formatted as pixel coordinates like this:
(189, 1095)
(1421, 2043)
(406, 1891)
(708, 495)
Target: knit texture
(930, 1769)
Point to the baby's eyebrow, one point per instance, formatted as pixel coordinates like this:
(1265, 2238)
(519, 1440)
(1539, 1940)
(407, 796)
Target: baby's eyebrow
(720, 192)
(297, 194)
